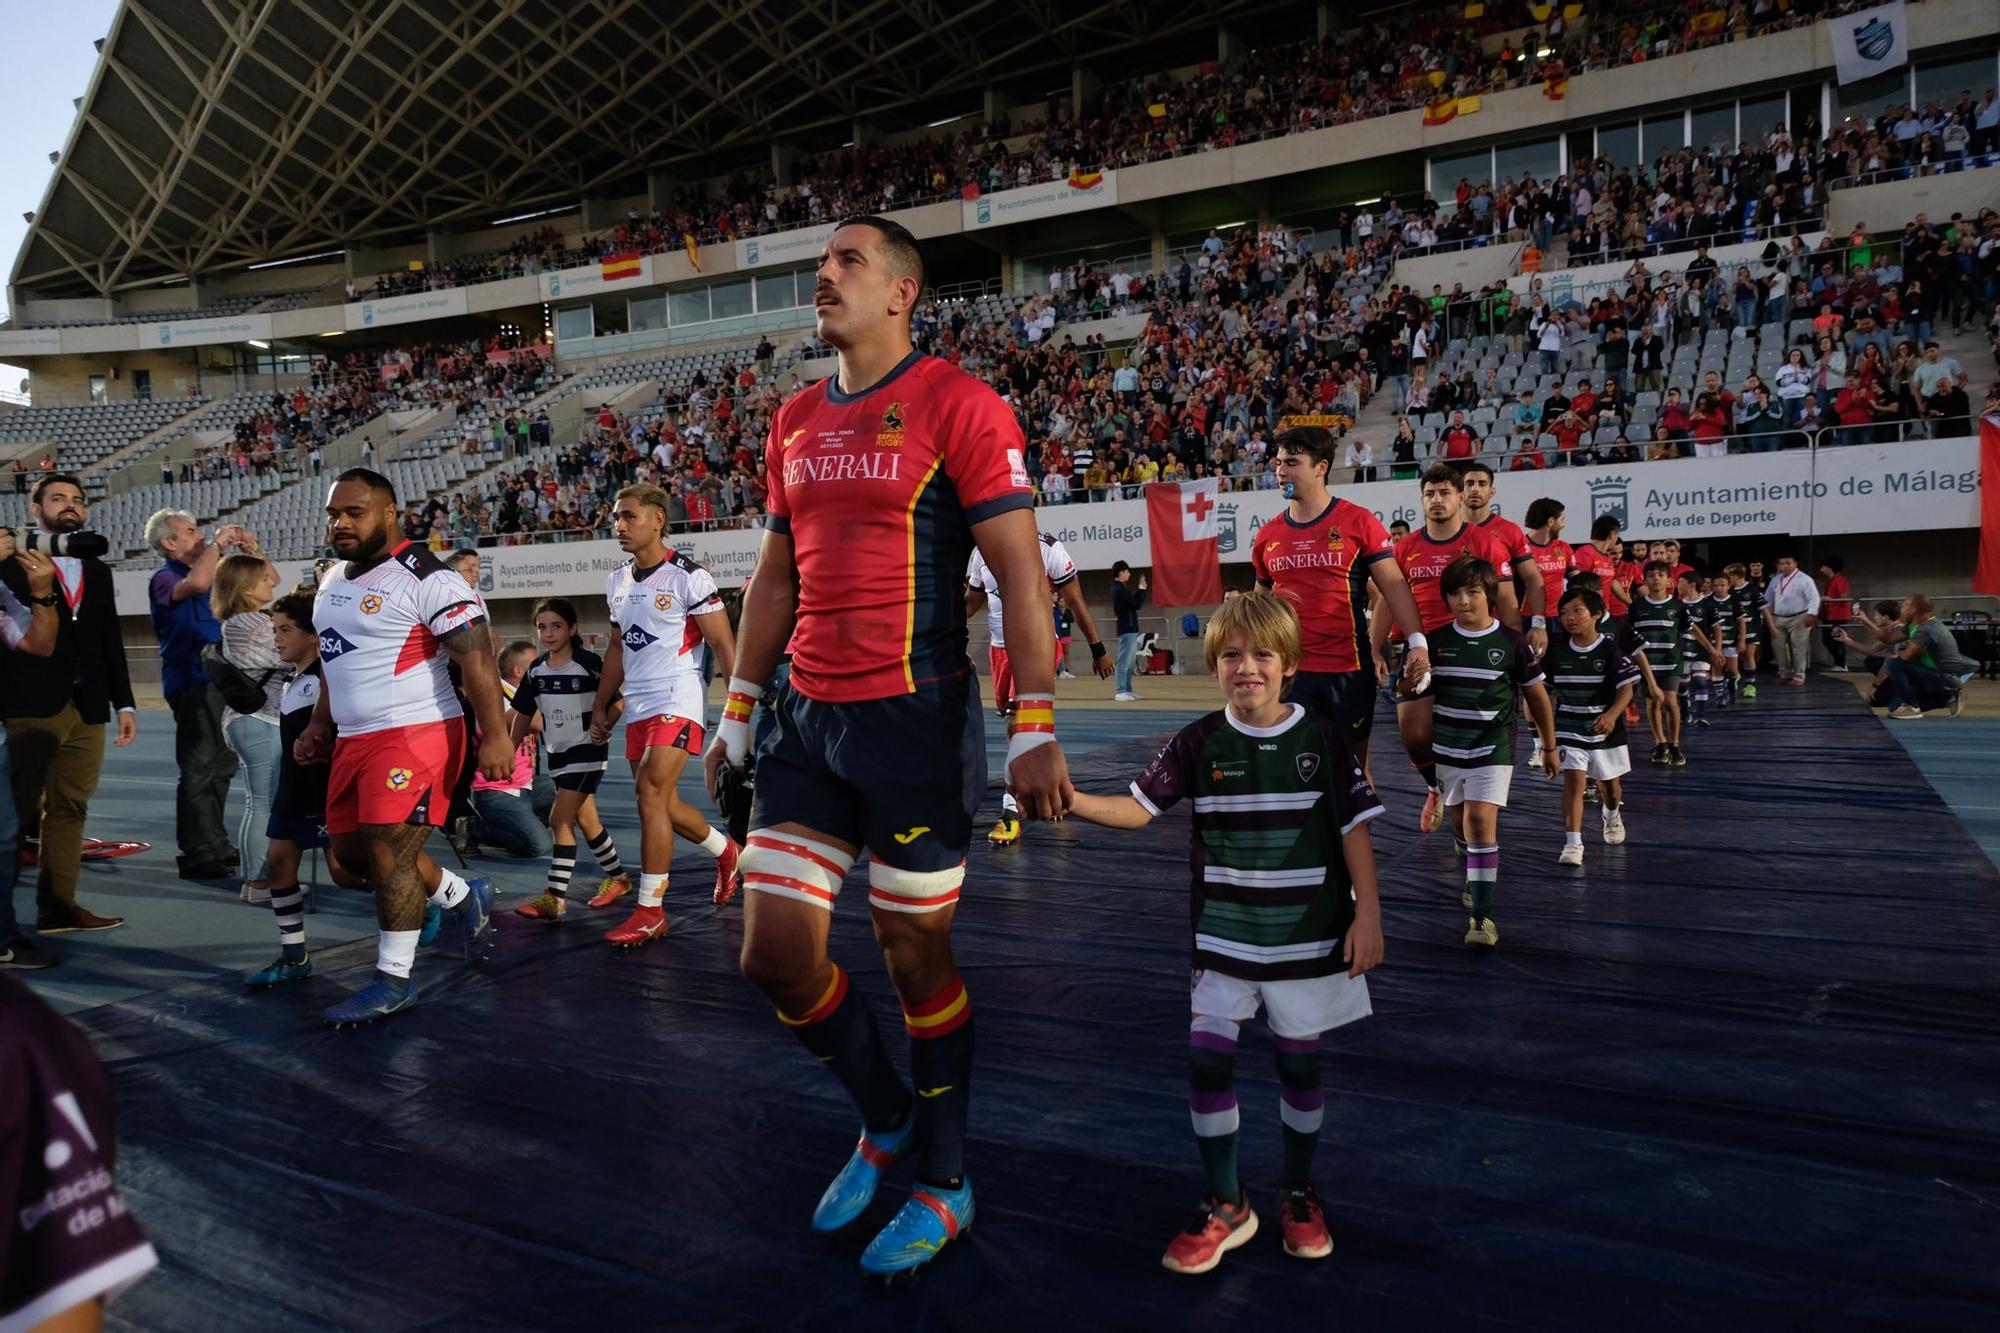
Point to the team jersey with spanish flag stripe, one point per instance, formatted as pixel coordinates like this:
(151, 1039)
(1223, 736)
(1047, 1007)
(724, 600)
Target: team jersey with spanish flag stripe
(1321, 568)
(879, 491)
(1423, 560)
(378, 640)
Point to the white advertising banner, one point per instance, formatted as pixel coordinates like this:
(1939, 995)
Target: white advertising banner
(577, 569)
(199, 332)
(1046, 200)
(783, 247)
(1911, 487)
(590, 281)
(1873, 41)
(30, 342)
(404, 309)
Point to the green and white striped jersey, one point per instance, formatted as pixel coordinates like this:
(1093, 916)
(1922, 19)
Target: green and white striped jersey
(1476, 678)
(1586, 679)
(1660, 626)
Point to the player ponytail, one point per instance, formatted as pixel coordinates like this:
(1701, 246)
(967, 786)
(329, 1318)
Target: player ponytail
(564, 610)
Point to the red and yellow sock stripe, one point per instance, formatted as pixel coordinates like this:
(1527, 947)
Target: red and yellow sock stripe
(823, 1007)
(944, 1013)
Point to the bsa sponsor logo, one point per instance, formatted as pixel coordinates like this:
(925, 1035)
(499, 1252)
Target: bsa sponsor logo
(637, 640)
(332, 643)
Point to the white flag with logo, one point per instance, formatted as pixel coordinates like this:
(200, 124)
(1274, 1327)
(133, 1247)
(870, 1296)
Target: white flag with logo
(1873, 41)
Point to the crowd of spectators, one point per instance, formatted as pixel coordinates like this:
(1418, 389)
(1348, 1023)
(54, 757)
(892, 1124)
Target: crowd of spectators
(473, 378)
(1395, 62)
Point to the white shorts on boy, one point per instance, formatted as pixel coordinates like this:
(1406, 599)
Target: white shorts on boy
(1487, 782)
(1601, 765)
(1300, 1007)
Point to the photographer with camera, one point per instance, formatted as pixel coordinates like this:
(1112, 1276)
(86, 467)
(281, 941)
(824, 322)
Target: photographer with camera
(56, 706)
(23, 629)
(184, 623)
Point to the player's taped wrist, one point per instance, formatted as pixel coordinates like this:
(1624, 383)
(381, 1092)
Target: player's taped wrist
(1034, 726)
(736, 709)
(1417, 640)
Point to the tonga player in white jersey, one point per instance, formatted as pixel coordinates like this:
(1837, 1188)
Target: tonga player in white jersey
(663, 606)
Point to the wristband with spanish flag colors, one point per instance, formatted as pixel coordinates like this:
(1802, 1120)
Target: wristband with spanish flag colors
(1034, 725)
(742, 700)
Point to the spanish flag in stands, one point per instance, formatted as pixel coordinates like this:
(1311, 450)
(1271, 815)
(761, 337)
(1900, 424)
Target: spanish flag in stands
(1555, 89)
(1157, 110)
(1709, 20)
(621, 266)
(1079, 179)
(1450, 108)
(694, 251)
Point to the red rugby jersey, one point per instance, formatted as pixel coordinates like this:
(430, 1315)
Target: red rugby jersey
(1321, 568)
(879, 491)
(1555, 560)
(1423, 561)
(1590, 560)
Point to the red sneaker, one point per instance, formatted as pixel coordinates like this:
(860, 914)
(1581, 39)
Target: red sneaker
(645, 923)
(548, 907)
(1215, 1229)
(1305, 1223)
(727, 877)
(1433, 811)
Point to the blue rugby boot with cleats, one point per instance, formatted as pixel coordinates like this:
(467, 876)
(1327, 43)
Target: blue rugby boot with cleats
(472, 920)
(929, 1220)
(433, 922)
(378, 999)
(854, 1188)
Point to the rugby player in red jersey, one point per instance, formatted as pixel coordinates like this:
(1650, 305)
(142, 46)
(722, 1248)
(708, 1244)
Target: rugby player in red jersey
(883, 479)
(388, 619)
(1444, 537)
(1321, 554)
(1478, 479)
(1555, 562)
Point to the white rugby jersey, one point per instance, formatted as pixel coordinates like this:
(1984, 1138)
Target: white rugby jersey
(563, 696)
(1055, 563)
(657, 635)
(378, 640)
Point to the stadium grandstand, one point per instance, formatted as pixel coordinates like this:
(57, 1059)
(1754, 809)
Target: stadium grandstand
(1716, 277)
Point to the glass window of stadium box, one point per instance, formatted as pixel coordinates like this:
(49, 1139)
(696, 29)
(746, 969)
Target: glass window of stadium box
(1620, 143)
(1865, 99)
(1541, 159)
(689, 305)
(730, 300)
(1662, 134)
(647, 313)
(1446, 172)
(577, 321)
(778, 291)
(1714, 128)
(1758, 116)
(1949, 78)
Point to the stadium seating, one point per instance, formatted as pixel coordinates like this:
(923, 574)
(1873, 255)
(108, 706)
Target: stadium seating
(84, 433)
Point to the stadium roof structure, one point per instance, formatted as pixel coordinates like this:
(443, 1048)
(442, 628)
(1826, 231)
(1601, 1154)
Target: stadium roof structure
(231, 132)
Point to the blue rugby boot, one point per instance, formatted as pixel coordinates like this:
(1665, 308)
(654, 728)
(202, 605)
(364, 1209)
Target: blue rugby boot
(931, 1219)
(472, 920)
(378, 999)
(433, 922)
(285, 969)
(854, 1188)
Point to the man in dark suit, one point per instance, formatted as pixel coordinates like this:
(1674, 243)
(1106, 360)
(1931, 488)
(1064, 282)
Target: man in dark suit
(56, 707)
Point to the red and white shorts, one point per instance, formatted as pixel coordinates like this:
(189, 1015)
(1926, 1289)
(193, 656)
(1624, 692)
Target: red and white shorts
(400, 775)
(1003, 676)
(677, 733)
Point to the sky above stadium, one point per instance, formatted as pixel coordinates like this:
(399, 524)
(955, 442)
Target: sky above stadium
(50, 65)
